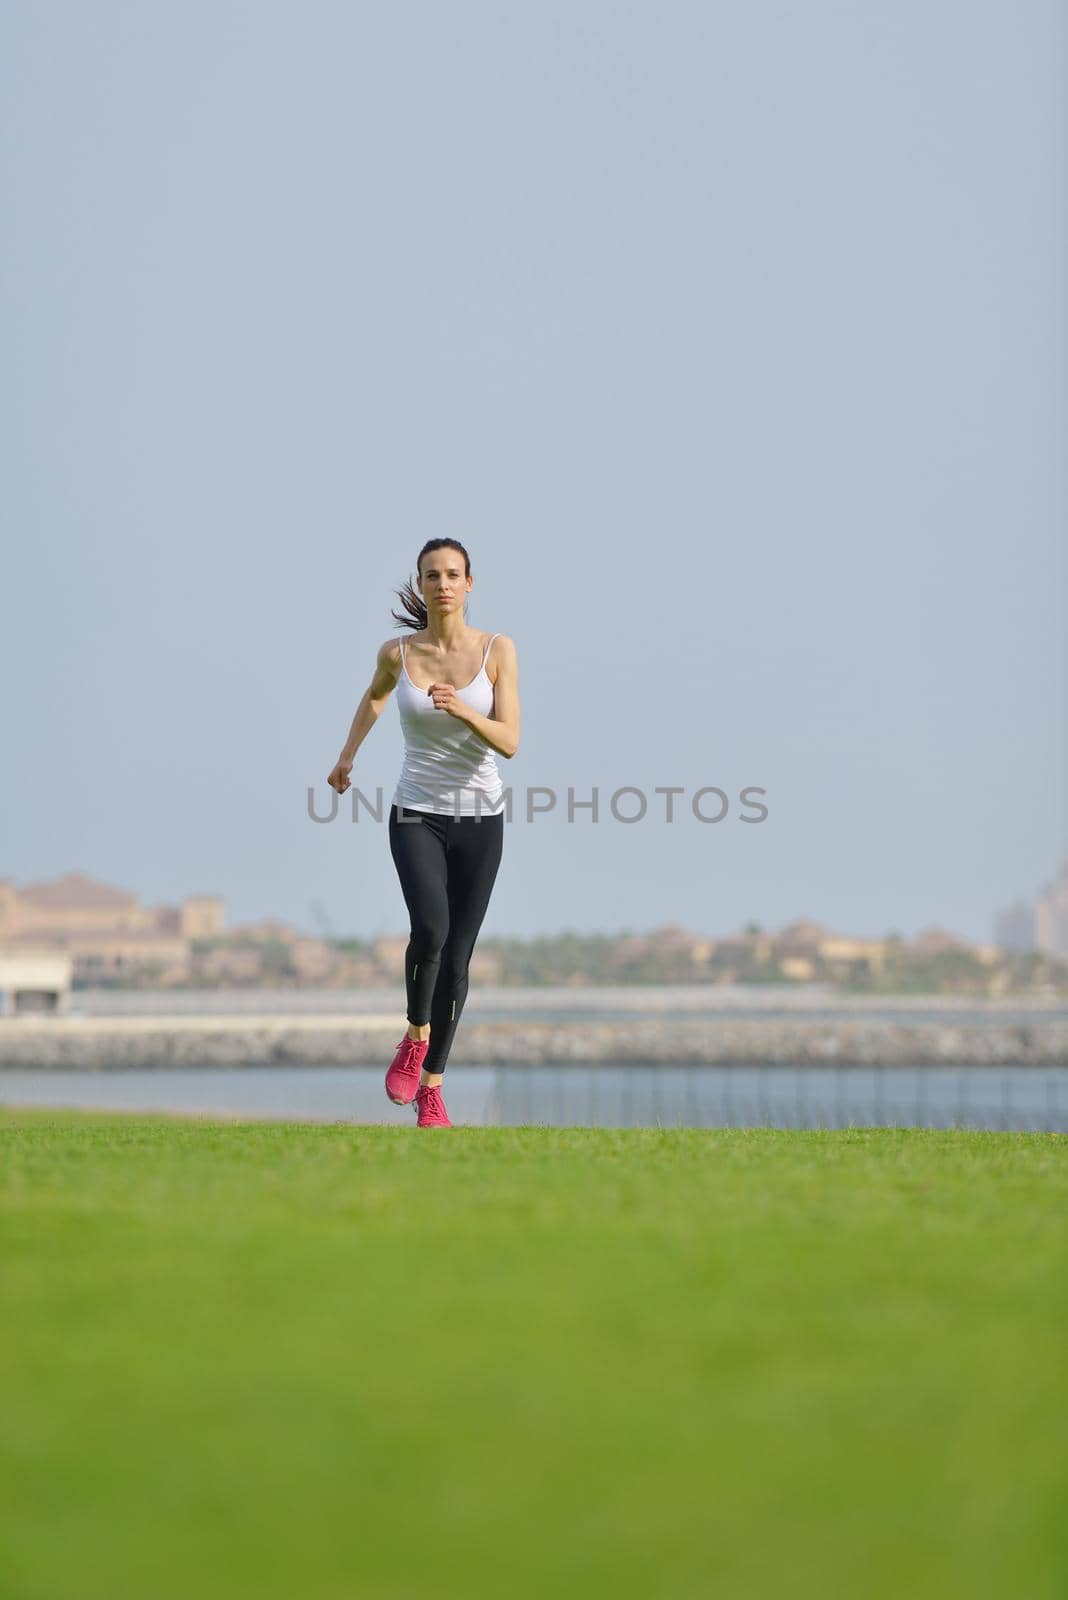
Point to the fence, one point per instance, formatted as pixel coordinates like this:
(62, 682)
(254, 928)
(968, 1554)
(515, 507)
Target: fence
(1020, 1098)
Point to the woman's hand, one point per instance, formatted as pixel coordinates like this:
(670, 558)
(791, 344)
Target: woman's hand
(446, 699)
(339, 778)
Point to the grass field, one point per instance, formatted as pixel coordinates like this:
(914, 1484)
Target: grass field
(305, 1361)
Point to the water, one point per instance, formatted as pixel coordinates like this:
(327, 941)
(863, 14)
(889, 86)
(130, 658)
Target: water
(1034, 1098)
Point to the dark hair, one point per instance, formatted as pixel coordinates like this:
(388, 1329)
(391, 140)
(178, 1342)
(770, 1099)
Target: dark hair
(410, 597)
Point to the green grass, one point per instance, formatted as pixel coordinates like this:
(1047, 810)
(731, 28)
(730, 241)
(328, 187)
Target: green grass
(273, 1360)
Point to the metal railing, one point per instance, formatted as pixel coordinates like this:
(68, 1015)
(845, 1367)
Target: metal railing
(1007, 1098)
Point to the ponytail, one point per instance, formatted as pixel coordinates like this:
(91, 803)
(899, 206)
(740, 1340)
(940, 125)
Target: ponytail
(410, 598)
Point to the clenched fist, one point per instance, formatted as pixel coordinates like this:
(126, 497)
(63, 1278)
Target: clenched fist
(445, 698)
(339, 778)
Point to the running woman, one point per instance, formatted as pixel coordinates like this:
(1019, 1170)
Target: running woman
(458, 698)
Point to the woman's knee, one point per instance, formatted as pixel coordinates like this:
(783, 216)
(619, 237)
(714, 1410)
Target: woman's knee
(455, 961)
(429, 937)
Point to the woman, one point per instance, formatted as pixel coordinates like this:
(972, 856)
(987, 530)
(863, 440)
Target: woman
(458, 697)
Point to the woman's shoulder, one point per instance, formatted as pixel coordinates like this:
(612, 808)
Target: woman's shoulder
(501, 649)
(389, 651)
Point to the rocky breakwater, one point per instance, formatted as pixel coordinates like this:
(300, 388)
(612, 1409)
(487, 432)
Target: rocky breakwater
(102, 1043)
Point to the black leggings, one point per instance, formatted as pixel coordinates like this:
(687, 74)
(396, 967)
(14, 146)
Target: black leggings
(447, 866)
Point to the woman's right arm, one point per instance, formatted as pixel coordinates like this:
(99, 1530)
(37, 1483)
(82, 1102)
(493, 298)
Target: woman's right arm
(370, 708)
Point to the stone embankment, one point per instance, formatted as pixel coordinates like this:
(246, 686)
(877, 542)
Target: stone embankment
(99, 1043)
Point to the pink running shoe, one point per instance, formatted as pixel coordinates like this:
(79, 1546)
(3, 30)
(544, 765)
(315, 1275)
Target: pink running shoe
(402, 1079)
(431, 1107)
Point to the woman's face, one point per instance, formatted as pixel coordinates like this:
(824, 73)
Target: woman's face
(443, 583)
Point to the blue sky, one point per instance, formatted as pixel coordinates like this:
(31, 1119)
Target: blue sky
(727, 339)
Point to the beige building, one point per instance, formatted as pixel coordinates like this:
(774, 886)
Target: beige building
(389, 951)
(105, 931)
(798, 968)
(802, 937)
(844, 955)
(936, 941)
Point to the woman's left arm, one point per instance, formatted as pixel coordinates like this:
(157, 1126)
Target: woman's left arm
(501, 730)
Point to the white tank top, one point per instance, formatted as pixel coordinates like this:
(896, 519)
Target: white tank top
(446, 763)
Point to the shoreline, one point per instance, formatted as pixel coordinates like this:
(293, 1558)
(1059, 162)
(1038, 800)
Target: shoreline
(352, 1039)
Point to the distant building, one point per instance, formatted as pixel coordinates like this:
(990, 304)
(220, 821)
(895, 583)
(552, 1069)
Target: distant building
(1051, 915)
(797, 968)
(935, 941)
(313, 959)
(798, 946)
(1014, 928)
(844, 956)
(670, 936)
(105, 931)
(485, 967)
(801, 936)
(266, 928)
(389, 950)
(747, 947)
(200, 916)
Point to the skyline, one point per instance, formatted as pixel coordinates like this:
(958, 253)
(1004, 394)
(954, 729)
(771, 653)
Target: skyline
(202, 912)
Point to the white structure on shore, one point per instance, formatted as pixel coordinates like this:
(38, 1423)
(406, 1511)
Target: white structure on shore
(34, 980)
